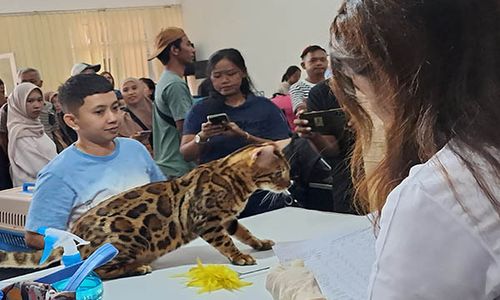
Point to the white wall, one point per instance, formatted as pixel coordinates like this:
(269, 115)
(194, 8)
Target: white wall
(22, 6)
(271, 34)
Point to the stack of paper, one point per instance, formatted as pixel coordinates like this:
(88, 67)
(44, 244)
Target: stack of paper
(341, 264)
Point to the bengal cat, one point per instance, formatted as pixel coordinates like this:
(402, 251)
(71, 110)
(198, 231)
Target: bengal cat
(147, 222)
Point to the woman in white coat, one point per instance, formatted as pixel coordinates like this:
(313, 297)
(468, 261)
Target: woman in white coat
(430, 70)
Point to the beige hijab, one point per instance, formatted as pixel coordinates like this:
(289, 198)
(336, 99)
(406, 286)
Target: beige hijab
(143, 110)
(19, 125)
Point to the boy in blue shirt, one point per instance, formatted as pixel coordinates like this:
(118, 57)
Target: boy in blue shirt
(97, 166)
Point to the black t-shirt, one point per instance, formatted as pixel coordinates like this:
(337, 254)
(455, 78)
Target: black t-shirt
(321, 97)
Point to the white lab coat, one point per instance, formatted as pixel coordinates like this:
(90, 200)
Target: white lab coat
(428, 246)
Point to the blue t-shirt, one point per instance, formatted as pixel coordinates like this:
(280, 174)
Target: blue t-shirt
(73, 182)
(257, 116)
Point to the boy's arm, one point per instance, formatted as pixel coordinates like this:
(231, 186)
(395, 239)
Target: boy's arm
(154, 172)
(51, 206)
(34, 240)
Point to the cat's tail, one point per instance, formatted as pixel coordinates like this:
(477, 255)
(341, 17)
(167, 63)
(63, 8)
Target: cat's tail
(28, 260)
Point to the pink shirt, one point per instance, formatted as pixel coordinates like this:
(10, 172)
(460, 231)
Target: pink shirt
(285, 104)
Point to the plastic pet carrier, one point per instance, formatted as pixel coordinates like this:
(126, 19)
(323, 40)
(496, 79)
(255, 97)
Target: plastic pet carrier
(14, 204)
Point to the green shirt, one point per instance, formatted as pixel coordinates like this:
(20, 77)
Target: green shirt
(172, 98)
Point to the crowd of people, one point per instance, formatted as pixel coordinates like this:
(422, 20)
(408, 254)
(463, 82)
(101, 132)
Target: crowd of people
(431, 80)
(80, 124)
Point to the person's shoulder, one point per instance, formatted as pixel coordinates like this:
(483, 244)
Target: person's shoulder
(205, 105)
(263, 101)
(444, 166)
(322, 87)
(296, 85)
(127, 144)
(170, 78)
(301, 85)
(167, 80)
(445, 183)
(254, 97)
(321, 97)
(60, 163)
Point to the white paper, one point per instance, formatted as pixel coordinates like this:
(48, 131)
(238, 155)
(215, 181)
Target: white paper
(340, 264)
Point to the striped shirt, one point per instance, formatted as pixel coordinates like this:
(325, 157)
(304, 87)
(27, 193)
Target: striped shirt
(299, 91)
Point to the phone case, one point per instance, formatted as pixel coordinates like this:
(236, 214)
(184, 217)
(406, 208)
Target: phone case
(218, 119)
(327, 122)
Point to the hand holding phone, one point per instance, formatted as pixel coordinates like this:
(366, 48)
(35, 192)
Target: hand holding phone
(218, 119)
(144, 132)
(327, 122)
(141, 135)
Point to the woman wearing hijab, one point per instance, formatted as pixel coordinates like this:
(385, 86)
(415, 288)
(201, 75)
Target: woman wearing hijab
(137, 120)
(29, 148)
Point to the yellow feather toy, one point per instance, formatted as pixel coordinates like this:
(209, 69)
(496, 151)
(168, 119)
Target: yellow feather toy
(211, 278)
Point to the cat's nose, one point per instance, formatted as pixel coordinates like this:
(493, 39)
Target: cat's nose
(285, 184)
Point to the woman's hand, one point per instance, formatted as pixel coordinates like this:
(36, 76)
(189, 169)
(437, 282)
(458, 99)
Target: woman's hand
(209, 130)
(234, 130)
(141, 136)
(293, 281)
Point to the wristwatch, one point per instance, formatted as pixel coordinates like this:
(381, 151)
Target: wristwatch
(199, 140)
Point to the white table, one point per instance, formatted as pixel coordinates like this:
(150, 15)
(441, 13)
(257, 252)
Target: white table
(287, 224)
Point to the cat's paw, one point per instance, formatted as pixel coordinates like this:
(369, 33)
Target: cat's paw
(243, 259)
(263, 245)
(143, 270)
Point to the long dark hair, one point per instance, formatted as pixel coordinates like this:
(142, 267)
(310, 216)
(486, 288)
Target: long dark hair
(112, 78)
(151, 85)
(438, 73)
(236, 58)
(289, 72)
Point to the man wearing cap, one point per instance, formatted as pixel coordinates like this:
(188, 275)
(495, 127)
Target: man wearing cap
(85, 68)
(172, 100)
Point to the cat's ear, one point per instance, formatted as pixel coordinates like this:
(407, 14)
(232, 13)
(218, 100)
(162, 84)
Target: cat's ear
(256, 154)
(263, 156)
(283, 143)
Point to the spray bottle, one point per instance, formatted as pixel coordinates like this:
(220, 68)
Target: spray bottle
(91, 286)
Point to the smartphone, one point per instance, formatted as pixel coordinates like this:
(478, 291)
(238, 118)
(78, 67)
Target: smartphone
(144, 132)
(218, 119)
(328, 122)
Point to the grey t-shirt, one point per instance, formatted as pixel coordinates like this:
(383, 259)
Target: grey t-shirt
(172, 98)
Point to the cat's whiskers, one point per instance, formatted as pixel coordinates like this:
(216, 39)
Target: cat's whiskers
(267, 196)
(274, 196)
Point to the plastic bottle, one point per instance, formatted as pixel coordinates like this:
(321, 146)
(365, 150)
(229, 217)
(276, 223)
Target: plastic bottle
(91, 287)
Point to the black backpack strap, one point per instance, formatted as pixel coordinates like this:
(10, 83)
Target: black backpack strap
(135, 118)
(165, 118)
